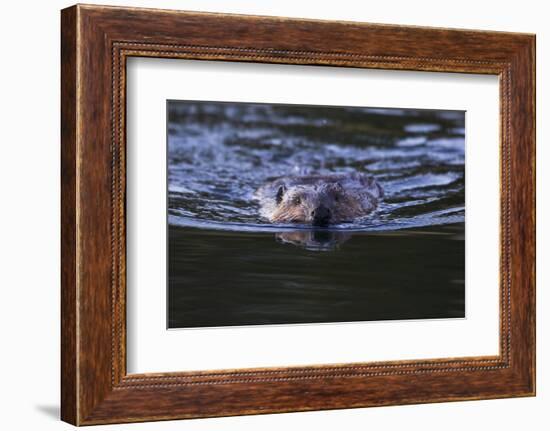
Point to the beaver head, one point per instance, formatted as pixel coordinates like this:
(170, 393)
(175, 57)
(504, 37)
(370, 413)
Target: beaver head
(319, 200)
(318, 204)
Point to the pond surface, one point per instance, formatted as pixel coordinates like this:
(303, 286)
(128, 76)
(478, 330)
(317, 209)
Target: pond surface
(228, 267)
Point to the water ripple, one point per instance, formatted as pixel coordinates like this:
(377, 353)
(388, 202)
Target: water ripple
(220, 153)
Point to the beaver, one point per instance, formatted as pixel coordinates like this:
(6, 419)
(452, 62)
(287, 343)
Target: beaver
(319, 200)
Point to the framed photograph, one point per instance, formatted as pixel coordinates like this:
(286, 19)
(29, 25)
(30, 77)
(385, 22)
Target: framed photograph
(263, 214)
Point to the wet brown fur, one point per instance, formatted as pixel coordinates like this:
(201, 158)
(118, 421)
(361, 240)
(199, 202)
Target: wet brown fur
(294, 199)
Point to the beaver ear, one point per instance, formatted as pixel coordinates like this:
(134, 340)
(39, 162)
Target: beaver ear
(280, 194)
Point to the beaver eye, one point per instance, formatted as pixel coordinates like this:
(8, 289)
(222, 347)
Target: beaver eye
(280, 194)
(296, 200)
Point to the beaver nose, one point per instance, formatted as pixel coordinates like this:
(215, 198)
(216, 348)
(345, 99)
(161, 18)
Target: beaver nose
(320, 216)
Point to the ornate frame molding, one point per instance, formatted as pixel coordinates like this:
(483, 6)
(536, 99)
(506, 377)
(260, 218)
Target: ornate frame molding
(96, 41)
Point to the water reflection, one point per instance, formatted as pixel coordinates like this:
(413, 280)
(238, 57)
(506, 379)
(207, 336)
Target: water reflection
(314, 239)
(228, 278)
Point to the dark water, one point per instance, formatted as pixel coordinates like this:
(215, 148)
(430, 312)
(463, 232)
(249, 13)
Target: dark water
(229, 267)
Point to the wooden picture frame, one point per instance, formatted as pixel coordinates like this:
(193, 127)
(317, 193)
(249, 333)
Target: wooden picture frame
(95, 43)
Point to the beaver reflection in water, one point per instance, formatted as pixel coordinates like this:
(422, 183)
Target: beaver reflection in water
(319, 200)
(314, 239)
